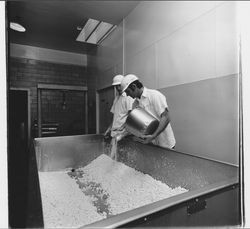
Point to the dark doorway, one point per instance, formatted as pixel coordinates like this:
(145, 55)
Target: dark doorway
(17, 156)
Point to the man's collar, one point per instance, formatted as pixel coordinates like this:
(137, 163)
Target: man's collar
(144, 93)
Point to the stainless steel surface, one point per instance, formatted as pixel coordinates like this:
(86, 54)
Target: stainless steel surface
(141, 122)
(174, 168)
(147, 211)
(200, 176)
(58, 153)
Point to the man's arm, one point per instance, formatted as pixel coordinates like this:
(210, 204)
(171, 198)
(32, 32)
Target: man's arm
(164, 121)
(107, 132)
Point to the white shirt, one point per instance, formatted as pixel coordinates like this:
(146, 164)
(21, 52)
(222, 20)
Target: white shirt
(121, 106)
(155, 103)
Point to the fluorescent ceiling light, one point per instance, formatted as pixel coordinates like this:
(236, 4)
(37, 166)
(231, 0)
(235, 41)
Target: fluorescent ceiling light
(99, 33)
(87, 30)
(17, 27)
(95, 32)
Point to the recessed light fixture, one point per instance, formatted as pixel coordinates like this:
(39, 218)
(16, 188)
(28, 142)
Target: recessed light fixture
(95, 31)
(17, 27)
(79, 28)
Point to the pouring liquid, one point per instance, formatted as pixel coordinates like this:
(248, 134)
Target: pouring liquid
(113, 153)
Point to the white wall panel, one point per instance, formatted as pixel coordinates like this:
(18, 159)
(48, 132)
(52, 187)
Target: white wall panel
(143, 65)
(154, 20)
(188, 55)
(226, 39)
(104, 58)
(119, 68)
(104, 79)
(204, 118)
(110, 51)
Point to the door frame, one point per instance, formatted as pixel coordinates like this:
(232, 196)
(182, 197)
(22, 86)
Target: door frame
(28, 109)
(98, 91)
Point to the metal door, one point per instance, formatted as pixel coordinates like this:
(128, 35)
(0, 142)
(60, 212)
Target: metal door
(17, 156)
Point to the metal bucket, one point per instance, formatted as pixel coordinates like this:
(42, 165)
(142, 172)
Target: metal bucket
(140, 122)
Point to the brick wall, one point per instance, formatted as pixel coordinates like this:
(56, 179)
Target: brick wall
(27, 73)
(92, 84)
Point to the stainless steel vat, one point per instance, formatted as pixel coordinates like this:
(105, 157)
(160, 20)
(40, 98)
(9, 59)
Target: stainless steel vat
(141, 122)
(213, 199)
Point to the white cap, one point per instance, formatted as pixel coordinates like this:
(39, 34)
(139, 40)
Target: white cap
(117, 79)
(127, 80)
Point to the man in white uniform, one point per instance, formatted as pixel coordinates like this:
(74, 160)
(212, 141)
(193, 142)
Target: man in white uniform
(121, 106)
(155, 103)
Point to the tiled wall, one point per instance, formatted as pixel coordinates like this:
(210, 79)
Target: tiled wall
(92, 85)
(27, 73)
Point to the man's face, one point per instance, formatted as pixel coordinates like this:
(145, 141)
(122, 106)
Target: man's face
(130, 91)
(119, 89)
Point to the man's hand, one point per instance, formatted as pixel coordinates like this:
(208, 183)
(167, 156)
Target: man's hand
(147, 138)
(107, 134)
